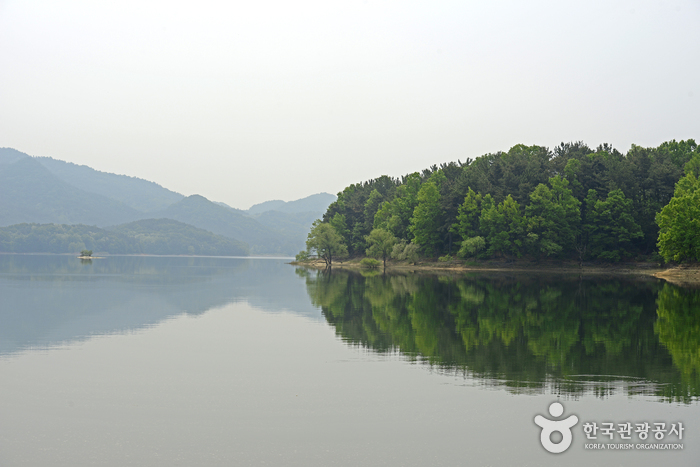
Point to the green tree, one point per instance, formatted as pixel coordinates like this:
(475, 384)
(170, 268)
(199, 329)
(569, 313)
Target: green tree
(326, 242)
(553, 218)
(613, 227)
(381, 243)
(395, 215)
(471, 246)
(467, 225)
(502, 227)
(340, 226)
(426, 218)
(405, 251)
(679, 222)
(86, 253)
(371, 207)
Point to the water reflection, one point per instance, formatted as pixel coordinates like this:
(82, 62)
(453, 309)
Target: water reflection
(573, 336)
(52, 299)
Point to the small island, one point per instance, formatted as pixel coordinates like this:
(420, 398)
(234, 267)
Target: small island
(85, 254)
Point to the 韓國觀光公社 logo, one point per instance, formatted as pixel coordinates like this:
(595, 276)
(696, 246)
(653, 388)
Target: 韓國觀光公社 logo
(550, 426)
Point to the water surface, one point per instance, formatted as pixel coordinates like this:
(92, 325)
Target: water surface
(225, 361)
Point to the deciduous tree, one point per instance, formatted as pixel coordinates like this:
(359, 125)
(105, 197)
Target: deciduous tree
(381, 243)
(326, 242)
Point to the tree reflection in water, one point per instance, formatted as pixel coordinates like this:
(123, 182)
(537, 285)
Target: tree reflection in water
(534, 333)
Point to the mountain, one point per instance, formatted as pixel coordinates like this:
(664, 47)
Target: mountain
(31, 193)
(295, 227)
(9, 155)
(61, 238)
(149, 236)
(198, 211)
(170, 237)
(314, 203)
(140, 194)
(43, 190)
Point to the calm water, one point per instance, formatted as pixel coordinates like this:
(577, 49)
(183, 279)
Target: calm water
(224, 361)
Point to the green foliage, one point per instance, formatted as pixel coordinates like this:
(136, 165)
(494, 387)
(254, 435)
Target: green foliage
(405, 252)
(395, 215)
(467, 225)
(678, 328)
(302, 256)
(445, 259)
(523, 329)
(371, 207)
(679, 222)
(553, 218)
(352, 203)
(340, 226)
(503, 227)
(612, 227)
(693, 166)
(381, 243)
(326, 243)
(370, 263)
(442, 207)
(86, 253)
(426, 218)
(471, 247)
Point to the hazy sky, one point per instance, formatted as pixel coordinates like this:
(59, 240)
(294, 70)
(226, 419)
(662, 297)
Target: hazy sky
(244, 102)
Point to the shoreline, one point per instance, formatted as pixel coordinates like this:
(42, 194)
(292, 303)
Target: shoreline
(679, 275)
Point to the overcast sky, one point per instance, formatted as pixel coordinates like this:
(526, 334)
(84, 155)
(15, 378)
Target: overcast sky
(244, 102)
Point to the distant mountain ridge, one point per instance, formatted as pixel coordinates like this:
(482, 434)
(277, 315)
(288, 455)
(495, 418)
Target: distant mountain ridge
(199, 211)
(137, 193)
(313, 203)
(29, 192)
(43, 190)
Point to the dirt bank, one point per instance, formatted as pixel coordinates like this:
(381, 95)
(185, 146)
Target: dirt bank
(556, 267)
(685, 275)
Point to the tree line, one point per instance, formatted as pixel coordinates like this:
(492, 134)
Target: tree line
(572, 202)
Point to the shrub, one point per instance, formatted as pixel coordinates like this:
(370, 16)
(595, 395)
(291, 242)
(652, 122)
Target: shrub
(471, 246)
(370, 263)
(302, 256)
(402, 251)
(445, 259)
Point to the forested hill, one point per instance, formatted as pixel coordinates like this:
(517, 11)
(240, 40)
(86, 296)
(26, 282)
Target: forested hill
(42, 190)
(570, 202)
(141, 195)
(31, 193)
(148, 236)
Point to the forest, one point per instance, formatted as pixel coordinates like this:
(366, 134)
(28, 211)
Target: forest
(571, 202)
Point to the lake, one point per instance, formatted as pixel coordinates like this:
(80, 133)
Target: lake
(243, 361)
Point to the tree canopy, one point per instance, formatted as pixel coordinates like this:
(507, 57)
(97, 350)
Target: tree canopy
(381, 243)
(324, 241)
(572, 202)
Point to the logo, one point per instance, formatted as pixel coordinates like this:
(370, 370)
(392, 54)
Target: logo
(550, 426)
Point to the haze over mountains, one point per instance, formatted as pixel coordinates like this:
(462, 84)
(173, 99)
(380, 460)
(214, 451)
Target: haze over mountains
(42, 190)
